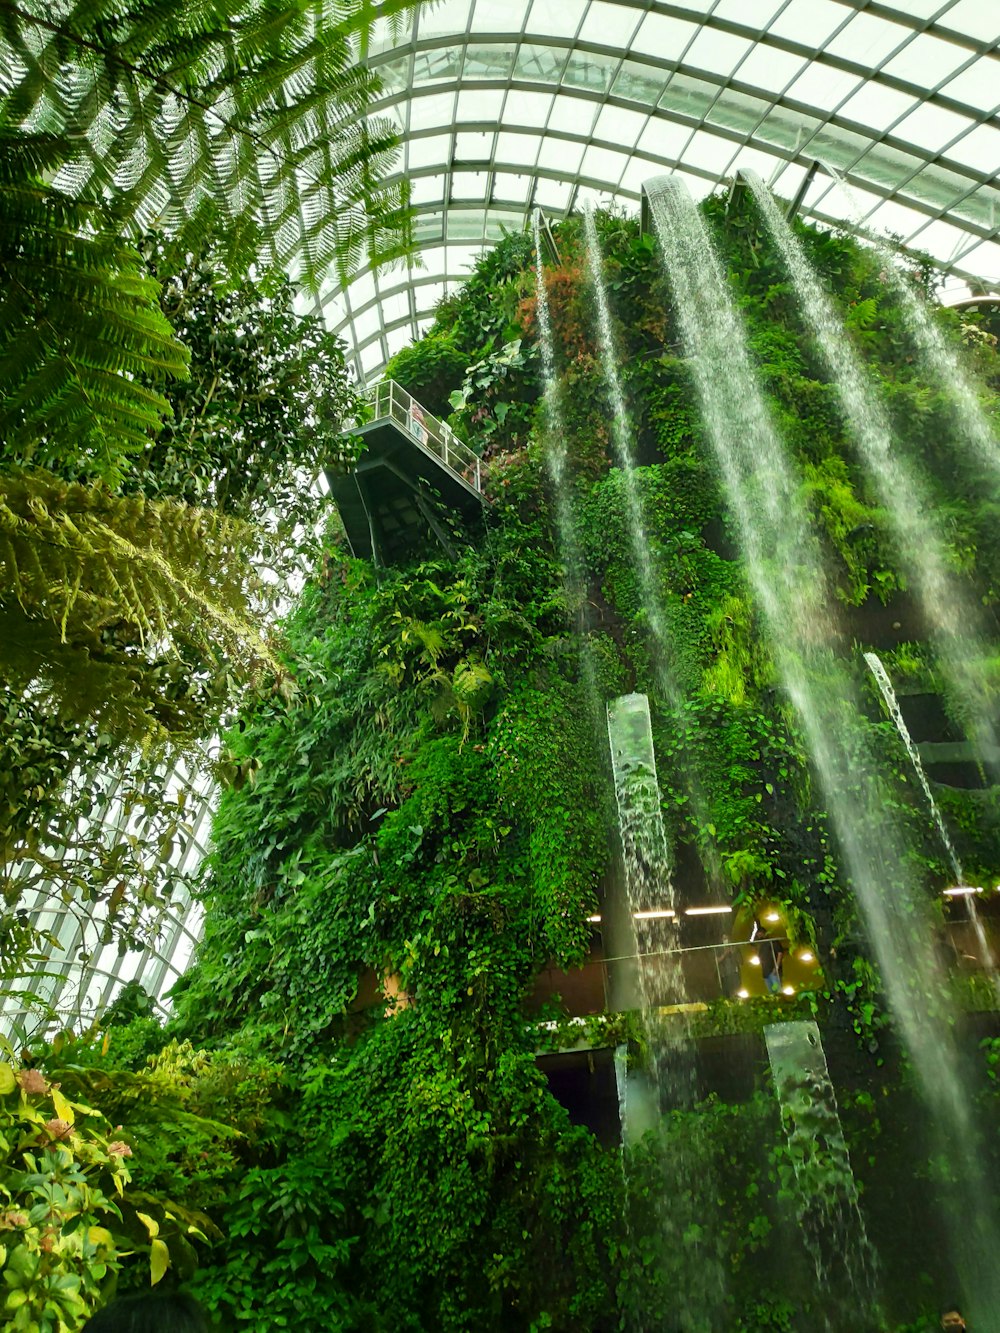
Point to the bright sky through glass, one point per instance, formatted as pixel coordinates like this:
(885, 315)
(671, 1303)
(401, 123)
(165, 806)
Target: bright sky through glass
(505, 105)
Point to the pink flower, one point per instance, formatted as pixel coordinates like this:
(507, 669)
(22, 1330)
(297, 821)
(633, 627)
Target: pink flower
(59, 1129)
(119, 1149)
(32, 1080)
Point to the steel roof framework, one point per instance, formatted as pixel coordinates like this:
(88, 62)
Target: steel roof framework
(508, 105)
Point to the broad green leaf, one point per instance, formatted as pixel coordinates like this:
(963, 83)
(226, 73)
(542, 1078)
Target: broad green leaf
(159, 1261)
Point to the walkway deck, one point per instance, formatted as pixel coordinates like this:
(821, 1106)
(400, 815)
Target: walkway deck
(412, 473)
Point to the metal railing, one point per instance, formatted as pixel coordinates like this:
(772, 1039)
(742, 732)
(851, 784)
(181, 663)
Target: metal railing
(389, 399)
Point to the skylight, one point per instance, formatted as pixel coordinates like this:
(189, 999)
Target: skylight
(508, 105)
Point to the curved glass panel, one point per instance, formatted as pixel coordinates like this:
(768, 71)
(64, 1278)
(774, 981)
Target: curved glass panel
(85, 968)
(505, 107)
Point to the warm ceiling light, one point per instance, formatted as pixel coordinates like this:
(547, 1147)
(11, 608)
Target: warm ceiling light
(754, 960)
(806, 956)
(788, 990)
(960, 891)
(743, 994)
(706, 911)
(771, 916)
(596, 918)
(654, 914)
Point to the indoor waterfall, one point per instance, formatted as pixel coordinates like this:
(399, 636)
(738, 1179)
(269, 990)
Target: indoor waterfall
(618, 927)
(959, 884)
(826, 1192)
(555, 462)
(623, 435)
(938, 358)
(645, 853)
(664, 997)
(948, 612)
(787, 575)
(875, 666)
(555, 432)
(941, 365)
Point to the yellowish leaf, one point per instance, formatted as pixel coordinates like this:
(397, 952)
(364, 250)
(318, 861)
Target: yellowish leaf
(64, 1109)
(7, 1080)
(159, 1261)
(150, 1223)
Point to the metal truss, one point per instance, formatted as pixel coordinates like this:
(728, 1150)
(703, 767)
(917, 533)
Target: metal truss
(508, 105)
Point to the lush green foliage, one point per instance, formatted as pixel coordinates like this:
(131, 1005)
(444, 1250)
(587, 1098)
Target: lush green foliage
(132, 614)
(261, 411)
(71, 1217)
(122, 619)
(84, 346)
(429, 370)
(118, 573)
(420, 829)
(58, 1249)
(265, 107)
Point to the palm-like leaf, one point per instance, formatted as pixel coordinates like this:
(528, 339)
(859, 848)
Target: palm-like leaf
(80, 324)
(258, 107)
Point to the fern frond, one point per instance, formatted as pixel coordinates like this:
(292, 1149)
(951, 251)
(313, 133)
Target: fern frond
(91, 581)
(164, 105)
(80, 321)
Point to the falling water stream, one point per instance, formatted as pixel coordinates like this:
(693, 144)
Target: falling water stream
(896, 713)
(623, 435)
(827, 1193)
(950, 615)
(554, 427)
(786, 571)
(555, 432)
(939, 359)
(698, 1280)
(700, 1286)
(647, 859)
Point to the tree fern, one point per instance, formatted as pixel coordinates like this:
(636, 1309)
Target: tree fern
(99, 593)
(258, 107)
(82, 335)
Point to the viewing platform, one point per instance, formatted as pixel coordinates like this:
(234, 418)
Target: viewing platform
(413, 472)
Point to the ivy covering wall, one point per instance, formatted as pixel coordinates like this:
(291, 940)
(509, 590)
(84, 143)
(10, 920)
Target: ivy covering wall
(426, 823)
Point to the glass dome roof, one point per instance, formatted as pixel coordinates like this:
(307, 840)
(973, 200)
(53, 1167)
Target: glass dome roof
(508, 105)
(85, 963)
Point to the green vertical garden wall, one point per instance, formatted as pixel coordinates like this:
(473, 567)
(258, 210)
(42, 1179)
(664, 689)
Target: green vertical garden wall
(427, 817)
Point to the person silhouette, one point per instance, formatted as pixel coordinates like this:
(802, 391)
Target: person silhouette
(771, 953)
